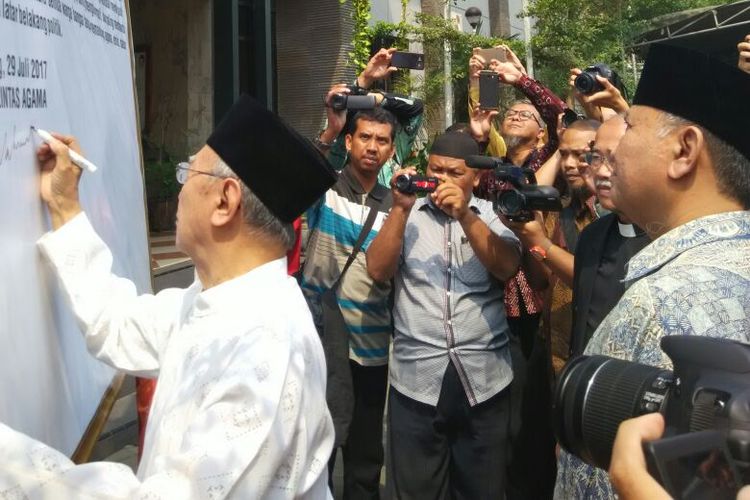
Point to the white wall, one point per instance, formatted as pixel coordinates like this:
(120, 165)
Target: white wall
(515, 7)
(390, 11)
(483, 6)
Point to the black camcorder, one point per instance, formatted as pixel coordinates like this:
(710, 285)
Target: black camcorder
(416, 184)
(586, 82)
(358, 98)
(519, 202)
(705, 452)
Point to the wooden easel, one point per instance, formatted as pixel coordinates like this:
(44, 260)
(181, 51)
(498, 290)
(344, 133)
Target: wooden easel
(86, 445)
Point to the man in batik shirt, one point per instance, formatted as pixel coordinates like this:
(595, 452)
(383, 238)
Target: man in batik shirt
(682, 173)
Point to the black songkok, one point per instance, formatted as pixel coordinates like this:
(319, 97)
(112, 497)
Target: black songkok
(285, 171)
(455, 145)
(699, 88)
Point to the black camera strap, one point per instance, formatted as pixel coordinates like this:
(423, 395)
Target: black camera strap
(369, 222)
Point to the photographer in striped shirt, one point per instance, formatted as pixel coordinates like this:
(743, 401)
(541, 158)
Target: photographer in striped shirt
(356, 328)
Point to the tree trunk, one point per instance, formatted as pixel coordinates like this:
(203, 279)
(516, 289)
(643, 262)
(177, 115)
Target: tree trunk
(499, 18)
(434, 62)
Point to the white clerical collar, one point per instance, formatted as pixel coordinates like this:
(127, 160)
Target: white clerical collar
(626, 230)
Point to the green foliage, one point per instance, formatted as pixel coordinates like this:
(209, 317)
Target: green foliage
(361, 40)
(575, 33)
(418, 160)
(432, 32)
(161, 183)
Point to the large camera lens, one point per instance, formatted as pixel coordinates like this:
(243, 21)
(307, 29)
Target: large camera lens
(338, 102)
(403, 183)
(361, 102)
(511, 202)
(594, 394)
(586, 83)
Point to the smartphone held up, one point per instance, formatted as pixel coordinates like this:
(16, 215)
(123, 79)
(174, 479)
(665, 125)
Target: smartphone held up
(497, 53)
(407, 60)
(489, 90)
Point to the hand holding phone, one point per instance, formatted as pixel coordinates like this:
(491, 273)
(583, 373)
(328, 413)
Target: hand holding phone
(408, 60)
(497, 53)
(489, 90)
(476, 64)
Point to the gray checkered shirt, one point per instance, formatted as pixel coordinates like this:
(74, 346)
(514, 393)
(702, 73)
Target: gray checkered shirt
(448, 306)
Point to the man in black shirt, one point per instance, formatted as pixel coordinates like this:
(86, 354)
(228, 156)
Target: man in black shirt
(604, 247)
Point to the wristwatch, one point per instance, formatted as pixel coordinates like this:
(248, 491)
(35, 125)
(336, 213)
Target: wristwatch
(320, 144)
(538, 253)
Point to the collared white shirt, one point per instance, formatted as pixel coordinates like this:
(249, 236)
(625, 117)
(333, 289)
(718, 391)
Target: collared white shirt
(239, 410)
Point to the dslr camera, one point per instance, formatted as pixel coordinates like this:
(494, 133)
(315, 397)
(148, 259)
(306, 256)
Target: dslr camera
(705, 452)
(357, 99)
(586, 82)
(519, 202)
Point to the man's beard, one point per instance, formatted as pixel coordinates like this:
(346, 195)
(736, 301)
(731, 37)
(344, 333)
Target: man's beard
(581, 192)
(513, 142)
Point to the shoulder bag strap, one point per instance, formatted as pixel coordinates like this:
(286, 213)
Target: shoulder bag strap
(360, 240)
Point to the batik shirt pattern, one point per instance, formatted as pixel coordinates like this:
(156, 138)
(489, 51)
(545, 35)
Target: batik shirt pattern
(693, 280)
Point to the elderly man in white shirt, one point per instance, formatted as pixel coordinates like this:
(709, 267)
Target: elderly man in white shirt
(240, 409)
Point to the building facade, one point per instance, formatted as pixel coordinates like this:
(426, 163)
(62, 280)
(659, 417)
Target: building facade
(194, 57)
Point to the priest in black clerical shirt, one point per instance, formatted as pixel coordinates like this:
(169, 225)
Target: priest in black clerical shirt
(604, 247)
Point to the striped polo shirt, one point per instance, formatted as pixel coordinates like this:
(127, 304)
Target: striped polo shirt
(335, 222)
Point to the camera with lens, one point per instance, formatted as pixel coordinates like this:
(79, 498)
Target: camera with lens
(416, 184)
(705, 452)
(356, 99)
(586, 82)
(519, 202)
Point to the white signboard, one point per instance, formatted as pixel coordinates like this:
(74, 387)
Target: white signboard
(64, 66)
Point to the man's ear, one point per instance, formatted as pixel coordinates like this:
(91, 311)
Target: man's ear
(228, 202)
(685, 151)
(348, 142)
(540, 134)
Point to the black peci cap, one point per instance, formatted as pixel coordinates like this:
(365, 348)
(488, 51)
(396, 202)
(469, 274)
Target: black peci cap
(698, 87)
(283, 169)
(455, 145)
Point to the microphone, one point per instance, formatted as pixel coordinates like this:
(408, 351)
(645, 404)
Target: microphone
(483, 162)
(503, 170)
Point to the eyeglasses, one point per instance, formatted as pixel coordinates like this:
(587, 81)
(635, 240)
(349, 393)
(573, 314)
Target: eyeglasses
(522, 114)
(596, 159)
(182, 169)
